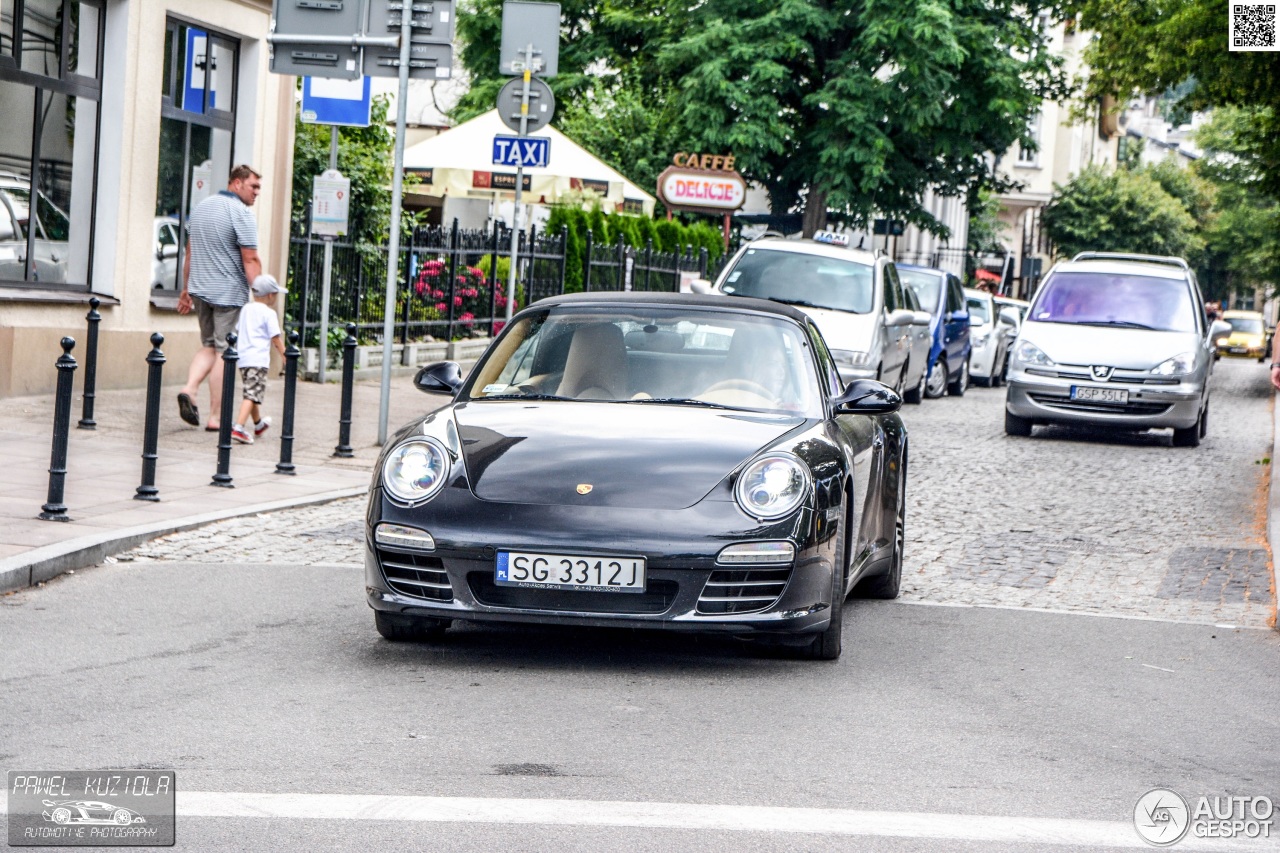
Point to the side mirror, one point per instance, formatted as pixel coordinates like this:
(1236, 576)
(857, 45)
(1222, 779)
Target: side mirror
(1219, 329)
(921, 318)
(166, 252)
(958, 315)
(900, 317)
(443, 377)
(867, 397)
(1009, 317)
(700, 285)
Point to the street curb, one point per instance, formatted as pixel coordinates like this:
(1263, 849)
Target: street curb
(1273, 512)
(41, 564)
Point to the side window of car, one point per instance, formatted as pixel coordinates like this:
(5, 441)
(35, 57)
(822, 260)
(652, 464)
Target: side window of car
(892, 288)
(909, 299)
(830, 375)
(955, 298)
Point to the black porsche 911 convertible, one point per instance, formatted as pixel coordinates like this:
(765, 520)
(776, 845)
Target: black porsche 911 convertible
(673, 461)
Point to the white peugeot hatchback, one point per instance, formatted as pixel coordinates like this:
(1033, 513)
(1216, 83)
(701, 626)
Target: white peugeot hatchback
(1115, 340)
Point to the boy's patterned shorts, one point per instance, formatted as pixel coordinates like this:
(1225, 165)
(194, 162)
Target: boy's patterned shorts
(254, 380)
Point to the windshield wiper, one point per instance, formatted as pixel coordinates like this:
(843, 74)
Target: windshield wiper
(801, 302)
(522, 397)
(1127, 324)
(688, 401)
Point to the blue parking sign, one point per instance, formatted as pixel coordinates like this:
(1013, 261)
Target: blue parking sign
(526, 151)
(331, 101)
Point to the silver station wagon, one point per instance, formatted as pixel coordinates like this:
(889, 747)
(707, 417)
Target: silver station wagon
(1114, 340)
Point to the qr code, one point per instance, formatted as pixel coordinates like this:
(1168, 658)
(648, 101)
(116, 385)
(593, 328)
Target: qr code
(1253, 26)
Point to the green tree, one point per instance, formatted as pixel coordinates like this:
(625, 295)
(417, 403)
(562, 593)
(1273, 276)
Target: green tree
(860, 106)
(984, 221)
(1120, 211)
(1179, 47)
(363, 156)
(855, 106)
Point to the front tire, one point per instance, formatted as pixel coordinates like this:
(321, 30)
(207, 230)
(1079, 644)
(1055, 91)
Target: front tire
(887, 586)
(915, 395)
(827, 644)
(957, 387)
(1014, 425)
(936, 384)
(1190, 436)
(409, 629)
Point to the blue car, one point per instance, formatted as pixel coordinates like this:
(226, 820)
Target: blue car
(941, 294)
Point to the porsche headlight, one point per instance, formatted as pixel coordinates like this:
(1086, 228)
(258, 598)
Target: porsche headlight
(772, 486)
(1180, 363)
(415, 470)
(1028, 353)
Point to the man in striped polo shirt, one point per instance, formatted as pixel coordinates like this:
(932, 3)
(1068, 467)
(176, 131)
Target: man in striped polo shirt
(220, 262)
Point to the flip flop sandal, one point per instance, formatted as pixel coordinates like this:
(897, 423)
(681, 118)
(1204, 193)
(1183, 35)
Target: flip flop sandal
(187, 409)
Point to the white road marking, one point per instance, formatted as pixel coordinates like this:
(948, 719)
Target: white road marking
(1060, 612)
(979, 828)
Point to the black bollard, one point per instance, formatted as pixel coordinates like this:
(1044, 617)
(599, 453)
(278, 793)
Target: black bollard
(54, 508)
(90, 366)
(229, 359)
(348, 382)
(291, 353)
(151, 422)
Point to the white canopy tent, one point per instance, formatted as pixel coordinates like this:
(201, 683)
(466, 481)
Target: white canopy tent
(458, 163)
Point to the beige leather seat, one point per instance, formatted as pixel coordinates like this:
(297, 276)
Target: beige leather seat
(596, 367)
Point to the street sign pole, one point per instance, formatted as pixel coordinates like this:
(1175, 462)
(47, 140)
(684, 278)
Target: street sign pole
(397, 189)
(327, 280)
(515, 213)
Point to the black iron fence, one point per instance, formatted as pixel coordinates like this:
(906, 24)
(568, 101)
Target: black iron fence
(453, 282)
(618, 266)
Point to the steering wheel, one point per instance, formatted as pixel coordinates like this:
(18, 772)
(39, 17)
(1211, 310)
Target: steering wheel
(741, 385)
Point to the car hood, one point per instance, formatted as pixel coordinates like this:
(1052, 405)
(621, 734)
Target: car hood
(844, 329)
(1127, 349)
(632, 455)
(1244, 339)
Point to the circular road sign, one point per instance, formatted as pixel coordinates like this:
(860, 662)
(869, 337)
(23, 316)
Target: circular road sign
(542, 104)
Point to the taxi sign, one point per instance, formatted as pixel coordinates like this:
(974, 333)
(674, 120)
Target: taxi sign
(831, 238)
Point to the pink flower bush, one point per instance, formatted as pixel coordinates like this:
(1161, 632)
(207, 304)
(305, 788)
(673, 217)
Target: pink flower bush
(469, 292)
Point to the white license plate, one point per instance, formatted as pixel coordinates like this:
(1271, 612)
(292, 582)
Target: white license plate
(1239, 349)
(1100, 395)
(569, 571)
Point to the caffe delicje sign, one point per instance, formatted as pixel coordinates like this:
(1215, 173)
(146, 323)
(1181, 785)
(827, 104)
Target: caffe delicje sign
(702, 183)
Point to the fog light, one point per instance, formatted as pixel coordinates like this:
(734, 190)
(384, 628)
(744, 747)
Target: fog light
(399, 536)
(757, 553)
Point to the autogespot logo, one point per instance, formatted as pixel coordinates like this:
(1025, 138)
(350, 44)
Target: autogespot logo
(1161, 817)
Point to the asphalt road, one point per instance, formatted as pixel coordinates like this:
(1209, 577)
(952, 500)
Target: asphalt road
(941, 728)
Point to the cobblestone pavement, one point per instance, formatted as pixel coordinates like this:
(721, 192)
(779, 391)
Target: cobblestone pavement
(1070, 519)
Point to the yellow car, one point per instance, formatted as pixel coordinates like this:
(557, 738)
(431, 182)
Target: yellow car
(1248, 338)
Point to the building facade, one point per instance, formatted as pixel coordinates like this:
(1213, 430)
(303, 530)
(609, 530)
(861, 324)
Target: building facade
(120, 116)
(1064, 145)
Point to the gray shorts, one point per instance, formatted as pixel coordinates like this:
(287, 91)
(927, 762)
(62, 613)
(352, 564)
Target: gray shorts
(253, 381)
(216, 322)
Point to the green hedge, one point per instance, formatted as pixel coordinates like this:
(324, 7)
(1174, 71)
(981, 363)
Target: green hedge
(666, 235)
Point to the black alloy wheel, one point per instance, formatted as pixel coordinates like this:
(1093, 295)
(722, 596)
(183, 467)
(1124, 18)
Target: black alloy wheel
(409, 629)
(1014, 425)
(1190, 436)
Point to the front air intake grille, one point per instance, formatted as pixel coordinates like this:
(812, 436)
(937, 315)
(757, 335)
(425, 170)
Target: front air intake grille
(415, 575)
(1066, 404)
(657, 597)
(742, 590)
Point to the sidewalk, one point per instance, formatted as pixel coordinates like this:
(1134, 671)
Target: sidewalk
(104, 467)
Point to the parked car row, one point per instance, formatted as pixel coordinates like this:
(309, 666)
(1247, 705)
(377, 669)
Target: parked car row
(906, 326)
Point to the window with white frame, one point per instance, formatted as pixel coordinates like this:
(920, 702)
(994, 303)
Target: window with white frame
(1029, 154)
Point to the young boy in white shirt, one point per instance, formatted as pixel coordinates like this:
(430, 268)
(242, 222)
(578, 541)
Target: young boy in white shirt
(258, 332)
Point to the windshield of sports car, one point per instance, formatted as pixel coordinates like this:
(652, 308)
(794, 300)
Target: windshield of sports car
(796, 278)
(653, 356)
(1123, 301)
(1246, 325)
(927, 286)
